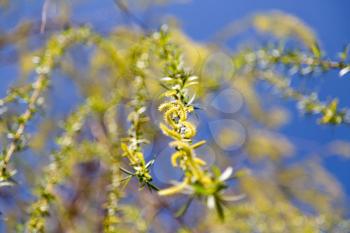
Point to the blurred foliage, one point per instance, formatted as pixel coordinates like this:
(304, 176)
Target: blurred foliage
(136, 85)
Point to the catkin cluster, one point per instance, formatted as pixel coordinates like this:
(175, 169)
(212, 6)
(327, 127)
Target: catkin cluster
(132, 145)
(198, 181)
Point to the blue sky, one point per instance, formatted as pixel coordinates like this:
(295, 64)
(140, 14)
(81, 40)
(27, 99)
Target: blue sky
(201, 19)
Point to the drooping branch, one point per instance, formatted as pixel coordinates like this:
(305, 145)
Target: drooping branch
(45, 63)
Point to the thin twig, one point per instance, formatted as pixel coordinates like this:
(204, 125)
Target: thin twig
(44, 15)
(26, 116)
(124, 8)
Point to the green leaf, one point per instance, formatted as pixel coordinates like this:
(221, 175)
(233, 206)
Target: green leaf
(316, 50)
(344, 54)
(184, 208)
(219, 208)
(152, 186)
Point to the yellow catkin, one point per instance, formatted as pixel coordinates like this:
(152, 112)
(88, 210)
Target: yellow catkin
(175, 115)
